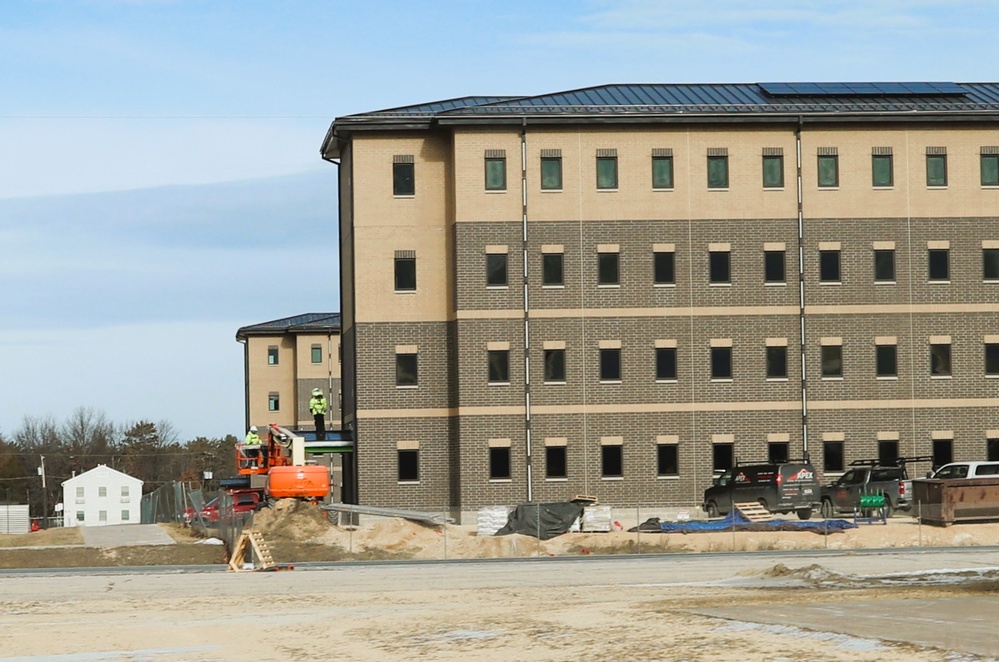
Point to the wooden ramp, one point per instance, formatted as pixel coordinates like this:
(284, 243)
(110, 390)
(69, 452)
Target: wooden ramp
(754, 512)
(261, 553)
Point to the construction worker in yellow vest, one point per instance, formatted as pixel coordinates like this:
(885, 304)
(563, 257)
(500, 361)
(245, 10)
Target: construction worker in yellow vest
(251, 446)
(317, 406)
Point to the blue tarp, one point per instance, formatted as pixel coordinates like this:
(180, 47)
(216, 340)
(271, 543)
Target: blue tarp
(736, 521)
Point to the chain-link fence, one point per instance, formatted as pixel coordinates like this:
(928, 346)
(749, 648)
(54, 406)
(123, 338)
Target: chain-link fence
(175, 502)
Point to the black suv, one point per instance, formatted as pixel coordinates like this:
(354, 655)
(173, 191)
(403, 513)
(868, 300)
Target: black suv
(780, 488)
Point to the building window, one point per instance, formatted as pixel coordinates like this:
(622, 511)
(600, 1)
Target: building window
(720, 266)
(496, 275)
(939, 264)
(499, 463)
(774, 268)
(79, 516)
(773, 170)
(990, 264)
(606, 169)
(832, 361)
(717, 169)
(79, 492)
(551, 172)
(992, 449)
(273, 402)
(406, 369)
(990, 166)
(832, 456)
(552, 271)
(828, 168)
(992, 359)
(499, 366)
(943, 452)
(403, 177)
(102, 516)
(664, 268)
(882, 170)
(608, 268)
(778, 451)
(777, 362)
(722, 457)
(667, 460)
(662, 170)
(405, 271)
(409, 465)
(884, 266)
(886, 360)
(555, 462)
(666, 364)
(888, 452)
(126, 516)
(555, 365)
(316, 354)
(102, 491)
(936, 166)
(610, 364)
(272, 355)
(829, 271)
(495, 170)
(940, 359)
(612, 461)
(721, 363)
(124, 490)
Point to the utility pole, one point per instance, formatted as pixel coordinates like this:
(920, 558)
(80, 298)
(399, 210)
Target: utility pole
(45, 495)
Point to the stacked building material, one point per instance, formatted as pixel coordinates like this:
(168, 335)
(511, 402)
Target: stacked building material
(491, 519)
(596, 519)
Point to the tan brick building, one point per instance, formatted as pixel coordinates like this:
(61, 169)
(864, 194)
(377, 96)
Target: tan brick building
(617, 291)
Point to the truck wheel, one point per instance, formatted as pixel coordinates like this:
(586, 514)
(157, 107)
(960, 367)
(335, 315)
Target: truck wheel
(712, 510)
(763, 502)
(889, 509)
(804, 513)
(828, 512)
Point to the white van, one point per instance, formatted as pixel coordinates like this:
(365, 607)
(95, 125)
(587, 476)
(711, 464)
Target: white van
(967, 470)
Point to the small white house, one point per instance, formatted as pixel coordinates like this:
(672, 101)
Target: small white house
(100, 497)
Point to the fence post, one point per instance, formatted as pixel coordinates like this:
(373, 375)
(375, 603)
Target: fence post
(638, 527)
(919, 518)
(444, 525)
(538, 552)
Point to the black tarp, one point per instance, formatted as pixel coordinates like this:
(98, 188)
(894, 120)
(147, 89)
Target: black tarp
(556, 518)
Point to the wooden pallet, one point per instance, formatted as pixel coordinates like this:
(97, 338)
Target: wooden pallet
(262, 557)
(754, 512)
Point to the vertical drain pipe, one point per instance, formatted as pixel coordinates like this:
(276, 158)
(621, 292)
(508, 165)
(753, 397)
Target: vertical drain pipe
(801, 296)
(527, 326)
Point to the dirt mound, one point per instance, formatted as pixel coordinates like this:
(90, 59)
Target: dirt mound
(291, 520)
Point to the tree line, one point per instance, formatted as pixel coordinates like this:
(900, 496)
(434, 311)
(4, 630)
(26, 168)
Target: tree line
(151, 452)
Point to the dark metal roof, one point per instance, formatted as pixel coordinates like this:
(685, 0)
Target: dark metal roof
(307, 323)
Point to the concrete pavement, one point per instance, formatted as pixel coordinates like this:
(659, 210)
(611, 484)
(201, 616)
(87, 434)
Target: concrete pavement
(123, 535)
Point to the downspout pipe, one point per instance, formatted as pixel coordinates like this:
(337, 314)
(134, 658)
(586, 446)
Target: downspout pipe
(529, 469)
(801, 292)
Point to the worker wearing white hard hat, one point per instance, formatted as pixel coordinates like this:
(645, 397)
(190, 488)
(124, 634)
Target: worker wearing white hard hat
(317, 407)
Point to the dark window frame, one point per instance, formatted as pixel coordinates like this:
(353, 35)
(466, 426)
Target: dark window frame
(886, 361)
(830, 266)
(771, 183)
(407, 465)
(610, 364)
(882, 158)
(497, 270)
(659, 181)
(556, 457)
(666, 364)
(720, 267)
(833, 458)
(941, 360)
(554, 366)
(607, 263)
(934, 179)
(497, 163)
(667, 460)
(990, 264)
(500, 463)
(722, 456)
(407, 369)
(993, 169)
(718, 173)
(775, 266)
(831, 361)
(554, 164)
(885, 264)
(664, 268)
(778, 452)
(498, 366)
(548, 265)
(776, 362)
(822, 176)
(991, 356)
(607, 173)
(405, 274)
(612, 461)
(721, 364)
(404, 179)
(938, 264)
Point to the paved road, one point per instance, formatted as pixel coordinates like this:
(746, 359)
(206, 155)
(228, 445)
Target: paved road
(123, 535)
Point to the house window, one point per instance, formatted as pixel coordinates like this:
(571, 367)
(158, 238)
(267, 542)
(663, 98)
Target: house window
(720, 266)
(666, 364)
(992, 359)
(79, 516)
(608, 268)
(102, 491)
(662, 169)
(832, 361)
(555, 462)
(829, 271)
(886, 360)
(551, 170)
(667, 460)
(940, 359)
(126, 516)
(721, 363)
(717, 168)
(778, 451)
(272, 355)
(607, 169)
(832, 456)
(943, 452)
(495, 170)
(773, 168)
(610, 364)
(102, 516)
(406, 369)
(721, 457)
(499, 463)
(408, 464)
(884, 265)
(777, 362)
(552, 271)
(882, 169)
(405, 271)
(990, 166)
(774, 268)
(936, 166)
(317, 354)
(79, 492)
(828, 167)
(124, 490)
(273, 402)
(664, 268)
(496, 274)
(888, 452)
(555, 365)
(611, 461)
(403, 178)
(992, 449)
(990, 264)
(939, 264)
(499, 366)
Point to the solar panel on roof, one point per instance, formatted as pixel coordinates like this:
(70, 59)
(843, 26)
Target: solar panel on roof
(862, 89)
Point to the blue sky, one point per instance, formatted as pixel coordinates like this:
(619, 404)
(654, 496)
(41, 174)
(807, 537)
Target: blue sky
(160, 179)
